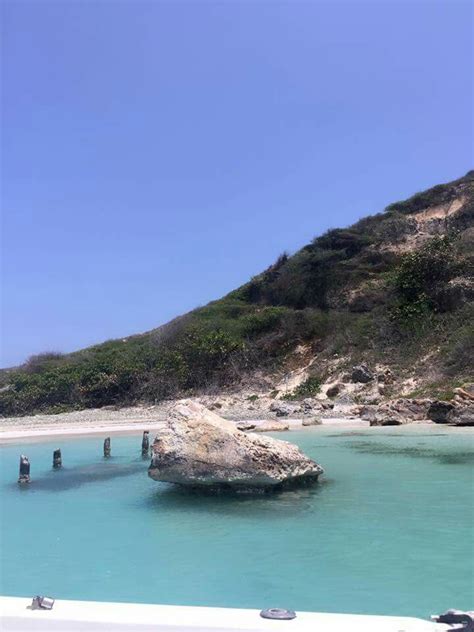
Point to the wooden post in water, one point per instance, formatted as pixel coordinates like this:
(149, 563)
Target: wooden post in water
(145, 443)
(107, 448)
(57, 460)
(24, 470)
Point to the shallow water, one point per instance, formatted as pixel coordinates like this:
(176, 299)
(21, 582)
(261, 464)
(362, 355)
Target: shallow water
(387, 530)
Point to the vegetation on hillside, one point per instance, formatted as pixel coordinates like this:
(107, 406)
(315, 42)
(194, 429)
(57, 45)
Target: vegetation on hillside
(357, 292)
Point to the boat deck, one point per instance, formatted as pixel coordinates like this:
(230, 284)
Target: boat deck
(74, 616)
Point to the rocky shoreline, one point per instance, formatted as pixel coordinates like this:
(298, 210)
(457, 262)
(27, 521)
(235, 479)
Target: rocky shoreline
(357, 400)
(265, 415)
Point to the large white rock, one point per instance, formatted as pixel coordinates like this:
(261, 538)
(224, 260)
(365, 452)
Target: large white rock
(199, 448)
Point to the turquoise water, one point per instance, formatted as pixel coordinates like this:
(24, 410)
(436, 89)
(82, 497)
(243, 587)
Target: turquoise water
(388, 530)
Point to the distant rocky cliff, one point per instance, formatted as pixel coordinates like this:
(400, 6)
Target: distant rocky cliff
(375, 315)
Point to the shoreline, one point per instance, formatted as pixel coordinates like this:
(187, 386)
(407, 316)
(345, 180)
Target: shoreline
(45, 432)
(36, 433)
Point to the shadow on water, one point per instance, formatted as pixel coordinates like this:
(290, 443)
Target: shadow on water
(281, 502)
(371, 434)
(349, 433)
(66, 479)
(444, 457)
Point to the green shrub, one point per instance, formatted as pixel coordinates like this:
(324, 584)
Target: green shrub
(350, 240)
(459, 352)
(43, 361)
(309, 388)
(263, 320)
(420, 279)
(207, 353)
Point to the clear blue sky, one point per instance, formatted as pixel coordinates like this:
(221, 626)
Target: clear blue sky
(158, 154)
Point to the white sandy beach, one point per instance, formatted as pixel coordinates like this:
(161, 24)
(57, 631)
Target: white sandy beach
(121, 421)
(129, 421)
(81, 423)
(13, 433)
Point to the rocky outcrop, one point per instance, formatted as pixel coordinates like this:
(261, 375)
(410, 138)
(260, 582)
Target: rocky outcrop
(459, 411)
(284, 409)
(385, 376)
(412, 409)
(395, 412)
(307, 406)
(386, 419)
(197, 448)
(344, 400)
(462, 415)
(465, 394)
(361, 373)
(327, 405)
(271, 425)
(333, 390)
(312, 421)
(439, 411)
(246, 426)
(268, 425)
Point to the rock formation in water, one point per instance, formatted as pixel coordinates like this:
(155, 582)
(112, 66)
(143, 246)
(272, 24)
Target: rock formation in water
(198, 448)
(107, 448)
(57, 459)
(24, 476)
(145, 443)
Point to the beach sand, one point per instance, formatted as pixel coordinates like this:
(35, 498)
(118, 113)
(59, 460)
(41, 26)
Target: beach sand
(15, 433)
(119, 421)
(134, 420)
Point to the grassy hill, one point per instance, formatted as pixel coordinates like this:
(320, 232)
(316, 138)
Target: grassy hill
(394, 290)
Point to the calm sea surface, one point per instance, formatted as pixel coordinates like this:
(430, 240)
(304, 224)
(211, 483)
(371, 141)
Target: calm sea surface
(388, 530)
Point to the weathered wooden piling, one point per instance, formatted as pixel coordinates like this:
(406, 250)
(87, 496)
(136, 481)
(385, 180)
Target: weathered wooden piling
(57, 459)
(145, 443)
(107, 448)
(24, 470)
